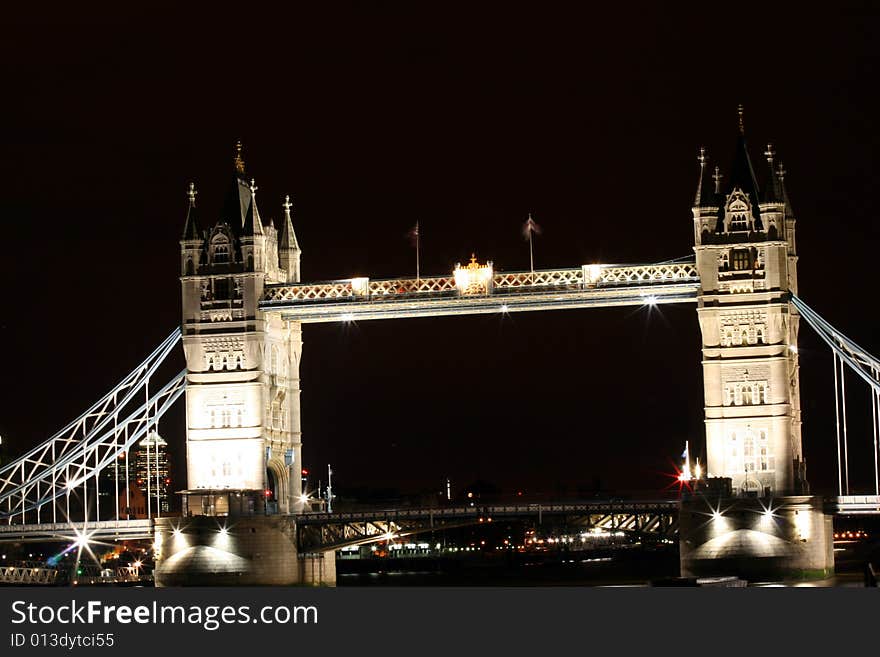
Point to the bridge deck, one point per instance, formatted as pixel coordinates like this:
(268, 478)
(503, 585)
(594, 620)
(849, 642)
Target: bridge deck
(558, 289)
(103, 530)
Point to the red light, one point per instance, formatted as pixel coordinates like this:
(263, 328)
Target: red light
(305, 473)
(167, 480)
(268, 493)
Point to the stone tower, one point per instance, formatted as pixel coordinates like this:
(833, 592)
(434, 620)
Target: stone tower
(242, 397)
(747, 261)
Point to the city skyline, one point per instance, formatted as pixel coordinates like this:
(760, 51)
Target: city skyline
(417, 130)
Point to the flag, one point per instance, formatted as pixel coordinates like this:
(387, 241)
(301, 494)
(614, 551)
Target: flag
(413, 234)
(530, 227)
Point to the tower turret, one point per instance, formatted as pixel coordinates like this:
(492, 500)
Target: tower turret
(288, 247)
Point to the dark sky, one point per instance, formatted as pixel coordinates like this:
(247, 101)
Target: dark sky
(373, 116)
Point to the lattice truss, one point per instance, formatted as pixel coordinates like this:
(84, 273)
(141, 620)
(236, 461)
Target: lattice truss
(858, 359)
(64, 464)
(325, 531)
(559, 279)
(649, 273)
(658, 523)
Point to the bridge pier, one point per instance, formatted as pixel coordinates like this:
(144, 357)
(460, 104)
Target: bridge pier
(766, 539)
(236, 551)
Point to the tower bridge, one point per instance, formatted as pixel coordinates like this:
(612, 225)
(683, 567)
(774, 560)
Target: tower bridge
(244, 305)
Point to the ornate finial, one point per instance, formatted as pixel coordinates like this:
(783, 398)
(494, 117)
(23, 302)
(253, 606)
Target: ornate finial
(253, 187)
(702, 159)
(473, 258)
(739, 110)
(191, 194)
(717, 178)
(770, 154)
(238, 161)
(287, 204)
(780, 171)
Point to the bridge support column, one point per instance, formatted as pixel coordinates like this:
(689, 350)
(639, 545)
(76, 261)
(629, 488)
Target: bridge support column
(767, 539)
(236, 551)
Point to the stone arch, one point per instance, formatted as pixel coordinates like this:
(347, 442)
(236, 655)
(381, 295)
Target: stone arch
(277, 481)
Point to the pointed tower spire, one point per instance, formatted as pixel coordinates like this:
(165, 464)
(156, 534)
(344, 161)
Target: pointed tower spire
(739, 111)
(252, 223)
(288, 236)
(717, 178)
(705, 196)
(780, 174)
(191, 229)
(289, 253)
(773, 191)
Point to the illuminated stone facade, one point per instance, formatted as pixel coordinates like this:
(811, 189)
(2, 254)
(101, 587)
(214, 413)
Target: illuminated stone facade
(243, 394)
(747, 263)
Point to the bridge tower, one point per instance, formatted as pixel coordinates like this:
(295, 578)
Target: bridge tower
(747, 261)
(753, 516)
(242, 398)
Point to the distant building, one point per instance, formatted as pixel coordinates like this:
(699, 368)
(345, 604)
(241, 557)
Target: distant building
(148, 466)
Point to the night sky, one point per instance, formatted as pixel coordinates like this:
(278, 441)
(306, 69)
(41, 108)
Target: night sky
(372, 116)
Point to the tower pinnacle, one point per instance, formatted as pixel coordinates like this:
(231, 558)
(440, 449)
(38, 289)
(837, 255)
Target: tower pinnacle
(739, 111)
(191, 194)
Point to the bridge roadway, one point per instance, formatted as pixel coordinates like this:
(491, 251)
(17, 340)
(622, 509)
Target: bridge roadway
(477, 289)
(323, 531)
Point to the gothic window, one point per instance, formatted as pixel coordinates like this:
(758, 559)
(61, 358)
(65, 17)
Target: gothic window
(741, 260)
(276, 415)
(765, 459)
(747, 395)
(759, 334)
(190, 269)
(761, 393)
(739, 221)
(744, 337)
(220, 249)
(749, 452)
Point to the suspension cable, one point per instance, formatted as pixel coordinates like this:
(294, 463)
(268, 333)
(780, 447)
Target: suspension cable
(837, 426)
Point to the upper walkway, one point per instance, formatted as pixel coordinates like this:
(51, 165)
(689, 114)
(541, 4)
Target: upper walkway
(478, 289)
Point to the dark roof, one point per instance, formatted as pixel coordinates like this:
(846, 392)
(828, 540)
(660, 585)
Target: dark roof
(742, 175)
(236, 202)
(252, 224)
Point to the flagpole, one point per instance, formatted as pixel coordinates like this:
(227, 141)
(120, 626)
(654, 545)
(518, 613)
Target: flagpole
(531, 255)
(418, 238)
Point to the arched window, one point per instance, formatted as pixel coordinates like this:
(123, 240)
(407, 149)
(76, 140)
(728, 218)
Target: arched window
(759, 333)
(739, 221)
(220, 249)
(747, 395)
(190, 268)
(744, 337)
